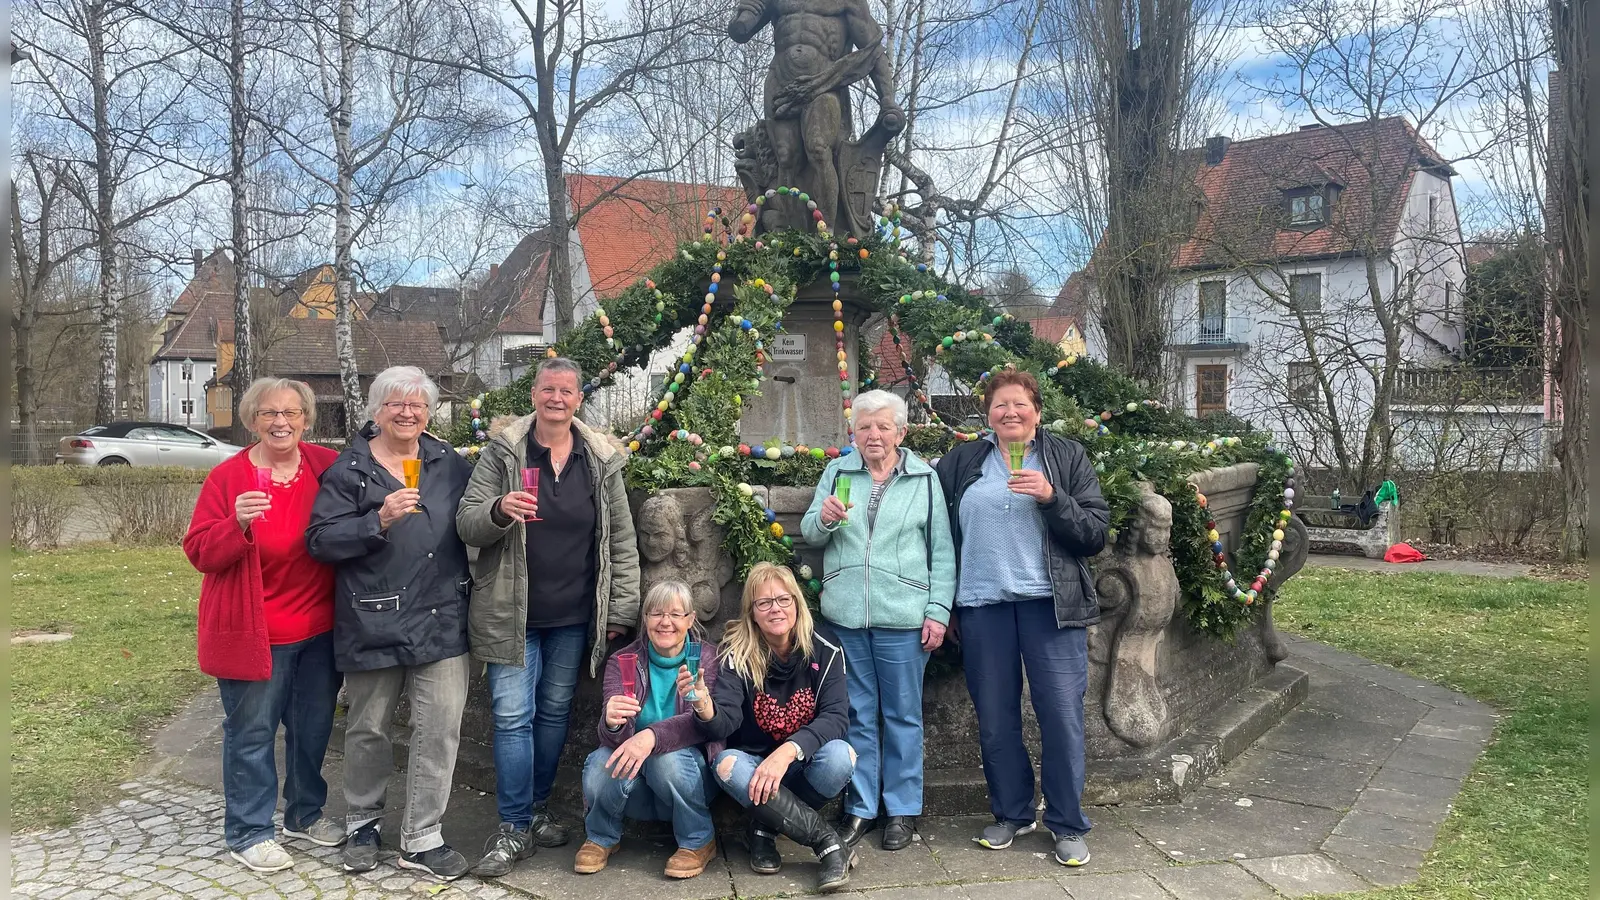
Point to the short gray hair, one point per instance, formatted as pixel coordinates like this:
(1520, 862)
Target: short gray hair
(665, 593)
(559, 364)
(250, 402)
(878, 401)
(400, 381)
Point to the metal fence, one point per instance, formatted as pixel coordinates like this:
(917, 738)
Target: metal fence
(1464, 386)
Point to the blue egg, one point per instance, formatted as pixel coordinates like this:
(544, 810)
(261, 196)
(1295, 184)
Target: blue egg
(684, 368)
(712, 288)
(771, 516)
(745, 324)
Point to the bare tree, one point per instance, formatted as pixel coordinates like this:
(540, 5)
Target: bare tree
(1136, 77)
(53, 232)
(1568, 222)
(413, 117)
(118, 92)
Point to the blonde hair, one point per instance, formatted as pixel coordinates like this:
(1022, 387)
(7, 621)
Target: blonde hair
(669, 593)
(250, 402)
(744, 648)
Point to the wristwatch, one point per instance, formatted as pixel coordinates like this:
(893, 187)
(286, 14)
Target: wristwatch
(799, 754)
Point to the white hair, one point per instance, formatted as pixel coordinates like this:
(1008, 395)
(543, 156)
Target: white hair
(399, 382)
(878, 401)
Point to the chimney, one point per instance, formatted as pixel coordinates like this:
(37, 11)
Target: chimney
(1216, 149)
(494, 270)
(199, 259)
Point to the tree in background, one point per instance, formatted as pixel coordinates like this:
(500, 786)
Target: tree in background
(1567, 217)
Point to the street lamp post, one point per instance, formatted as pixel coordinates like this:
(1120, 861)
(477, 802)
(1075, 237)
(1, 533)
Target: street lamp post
(188, 390)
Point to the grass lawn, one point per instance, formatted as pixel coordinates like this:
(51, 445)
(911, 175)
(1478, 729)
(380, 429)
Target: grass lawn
(81, 710)
(1520, 828)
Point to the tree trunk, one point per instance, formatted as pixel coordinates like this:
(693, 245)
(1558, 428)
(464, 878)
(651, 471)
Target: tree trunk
(22, 322)
(1569, 266)
(238, 121)
(560, 246)
(105, 404)
(344, 336)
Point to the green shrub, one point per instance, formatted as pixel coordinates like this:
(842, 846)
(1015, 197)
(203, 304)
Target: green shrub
(97, 476)
(144, 505)
(42, 497)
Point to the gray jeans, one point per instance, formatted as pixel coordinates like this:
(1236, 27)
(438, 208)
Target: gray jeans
(438, 694)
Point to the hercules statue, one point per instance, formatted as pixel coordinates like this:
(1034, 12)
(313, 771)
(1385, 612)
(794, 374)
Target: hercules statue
(821, 47)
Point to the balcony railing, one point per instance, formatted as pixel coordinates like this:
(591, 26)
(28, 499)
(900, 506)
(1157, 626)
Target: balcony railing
(1467, 386)
(1218, 331)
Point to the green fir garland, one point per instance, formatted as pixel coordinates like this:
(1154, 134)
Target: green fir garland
(1129, 438)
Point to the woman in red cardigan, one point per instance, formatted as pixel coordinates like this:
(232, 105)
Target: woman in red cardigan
(266, 625)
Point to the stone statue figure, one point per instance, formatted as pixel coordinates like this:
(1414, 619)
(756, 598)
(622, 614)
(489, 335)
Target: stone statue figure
(1138, 594)
(821, 47)
(674, 546)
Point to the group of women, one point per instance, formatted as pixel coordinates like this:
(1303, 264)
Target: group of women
(319, 568)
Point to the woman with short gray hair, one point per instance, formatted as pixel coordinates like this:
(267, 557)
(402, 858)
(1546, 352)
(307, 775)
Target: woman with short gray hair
(889, 579)
(385, 519)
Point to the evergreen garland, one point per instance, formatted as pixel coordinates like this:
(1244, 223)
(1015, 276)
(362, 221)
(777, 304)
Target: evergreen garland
(1128, 437)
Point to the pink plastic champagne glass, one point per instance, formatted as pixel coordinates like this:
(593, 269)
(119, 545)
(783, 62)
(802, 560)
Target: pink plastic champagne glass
(530, 483)
(628, 664)
(264, 484)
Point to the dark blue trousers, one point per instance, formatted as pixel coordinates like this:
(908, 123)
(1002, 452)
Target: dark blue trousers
(997, 641)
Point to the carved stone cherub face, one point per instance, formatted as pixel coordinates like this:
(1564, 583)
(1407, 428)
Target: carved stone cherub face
(661, 529)
(1154, 531)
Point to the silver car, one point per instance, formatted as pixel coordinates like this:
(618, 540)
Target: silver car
(143, 444)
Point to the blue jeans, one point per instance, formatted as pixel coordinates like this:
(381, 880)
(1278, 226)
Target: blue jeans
(678, 790)
(531, 707)
(883, 668)
(300, 695)
(815, 781)
(997, 640)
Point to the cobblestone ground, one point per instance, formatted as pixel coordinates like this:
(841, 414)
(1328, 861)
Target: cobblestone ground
(163, 841)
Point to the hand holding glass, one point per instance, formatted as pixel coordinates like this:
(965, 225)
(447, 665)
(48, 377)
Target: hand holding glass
(628, 665)
(691, 659)
(264, 485)
(1018, 452)
(530, 484)
(413, 473)
(841, 489)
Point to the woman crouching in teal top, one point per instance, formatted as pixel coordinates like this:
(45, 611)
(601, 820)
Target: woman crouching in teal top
(652, 762)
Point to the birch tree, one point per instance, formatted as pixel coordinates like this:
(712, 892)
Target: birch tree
(118, 91)
(390, 121)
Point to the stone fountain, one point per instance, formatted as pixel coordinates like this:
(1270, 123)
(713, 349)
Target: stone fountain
(1166, 704)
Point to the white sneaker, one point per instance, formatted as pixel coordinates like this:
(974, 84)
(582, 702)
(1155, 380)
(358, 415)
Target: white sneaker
(324, 832)
(267, 856)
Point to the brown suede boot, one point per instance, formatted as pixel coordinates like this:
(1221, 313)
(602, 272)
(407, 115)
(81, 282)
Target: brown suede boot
(688, 863)
(592, 858)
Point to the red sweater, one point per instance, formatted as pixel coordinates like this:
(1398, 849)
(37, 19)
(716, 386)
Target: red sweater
(239, 619)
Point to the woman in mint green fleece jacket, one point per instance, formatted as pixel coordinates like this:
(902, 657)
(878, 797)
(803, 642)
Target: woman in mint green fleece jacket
(889, 578)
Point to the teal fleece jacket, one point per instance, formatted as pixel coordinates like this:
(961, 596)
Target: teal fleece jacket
(899, 570)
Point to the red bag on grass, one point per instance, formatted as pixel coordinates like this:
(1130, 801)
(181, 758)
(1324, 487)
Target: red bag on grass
(1403, 553)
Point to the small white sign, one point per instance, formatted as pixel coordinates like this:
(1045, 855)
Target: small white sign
(789, 348)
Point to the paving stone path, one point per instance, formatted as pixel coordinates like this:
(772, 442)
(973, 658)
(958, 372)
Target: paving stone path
(1346, 794)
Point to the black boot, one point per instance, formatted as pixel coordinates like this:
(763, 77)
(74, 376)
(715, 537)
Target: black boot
(764, 858)
(787, 815)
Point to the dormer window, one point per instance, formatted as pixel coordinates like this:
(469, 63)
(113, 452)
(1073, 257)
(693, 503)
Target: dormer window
(1307, 207)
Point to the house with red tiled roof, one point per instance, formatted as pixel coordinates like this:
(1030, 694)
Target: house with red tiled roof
(625, 227)
(1296, 245)
(189, 370)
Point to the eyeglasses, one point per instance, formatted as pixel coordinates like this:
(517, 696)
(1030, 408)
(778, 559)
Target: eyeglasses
(400, 406)
(661, 615)
(767, 604)
(267, 415)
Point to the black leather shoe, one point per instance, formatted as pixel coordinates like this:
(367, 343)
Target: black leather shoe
(898, 831)
(853, 828)
(764, 857)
